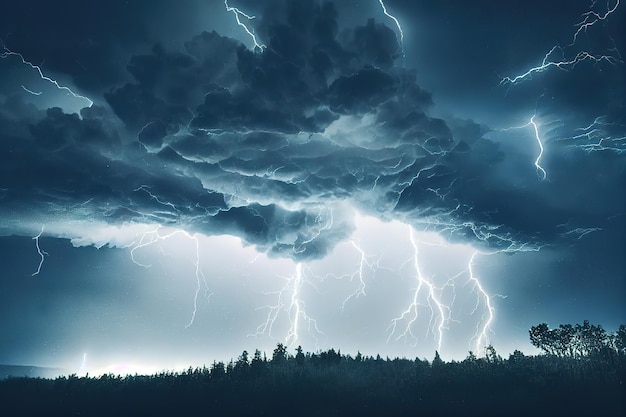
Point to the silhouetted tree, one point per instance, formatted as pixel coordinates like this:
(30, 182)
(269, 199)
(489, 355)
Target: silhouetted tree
(574, 341)
(471, 358)
(491, 355)
(242, 365)
(299, 356)
(591, 339)
(330, 357)
(258, 364)
(517, 356)
(437, 362)
(542, 338)
(620, 339)
(564, 338)
(279, 355)
(218, 370)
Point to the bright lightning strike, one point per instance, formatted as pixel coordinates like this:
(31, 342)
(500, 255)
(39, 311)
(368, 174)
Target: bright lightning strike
(295, 308)
(564, 64)
(541, 172)
(481, 337)
(382, 4)
(7, 53)
(41, 253)
(291, 305)
(556, 57)
(440, 313)
(154, 236)
(238, 14)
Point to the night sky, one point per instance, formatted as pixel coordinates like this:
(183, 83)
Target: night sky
(172, 194)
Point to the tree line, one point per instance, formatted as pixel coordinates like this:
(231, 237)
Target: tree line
(291, 382)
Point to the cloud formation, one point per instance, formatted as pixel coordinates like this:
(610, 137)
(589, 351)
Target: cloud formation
(278, 147)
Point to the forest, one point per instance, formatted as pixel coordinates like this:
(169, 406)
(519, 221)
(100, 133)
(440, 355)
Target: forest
(580, 372)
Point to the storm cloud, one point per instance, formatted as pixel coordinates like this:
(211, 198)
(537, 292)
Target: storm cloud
(278, 146)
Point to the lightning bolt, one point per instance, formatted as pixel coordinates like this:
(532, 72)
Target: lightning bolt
(563, 64)
(481, 336)
(34, 93)
(597, 137)
(6, 52)
(41, 253)
(154, 236)
(556, 57)
(324, 221)
(580, 232)
(295, 308)
(429, 295)
(439, 312)
(238, 14)
(366, 262)
(395, 20)
(541, 172)
(146, 189)
(290, 304)
(591, 17)
(359, 273)
(83, 365)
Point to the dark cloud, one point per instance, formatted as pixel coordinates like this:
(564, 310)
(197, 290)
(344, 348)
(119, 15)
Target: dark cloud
(274, 146)
(86, 37)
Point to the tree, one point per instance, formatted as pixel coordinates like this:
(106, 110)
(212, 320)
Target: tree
(242, 365)
(491, 355)
(218, 370)
(565, 336)
(230, 367)
(471, 357)
(422, 368)
(280, 354)
(258, 364)
(299, 356)
(542, 338)
(257, 356)
(516, 357)
(437, 362)
(620, 340)
(573, 341)
(330, 357)
(590, 339)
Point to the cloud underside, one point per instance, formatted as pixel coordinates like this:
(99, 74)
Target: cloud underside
(276, 147)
